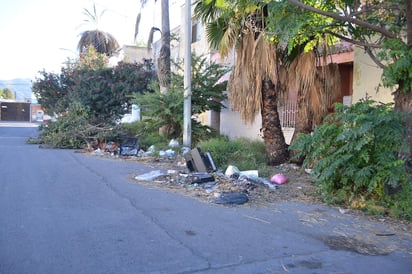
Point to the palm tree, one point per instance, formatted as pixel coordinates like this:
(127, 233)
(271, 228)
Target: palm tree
(163, 61)
(103, 42)
(256, 79)
(264, 71)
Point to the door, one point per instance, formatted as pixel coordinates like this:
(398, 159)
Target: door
(15, 111)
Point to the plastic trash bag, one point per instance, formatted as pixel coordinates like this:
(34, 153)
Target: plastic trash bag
(232, 198)
(150, 176)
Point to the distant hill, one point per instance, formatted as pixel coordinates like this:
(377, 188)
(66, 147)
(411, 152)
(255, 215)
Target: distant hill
(20, 86)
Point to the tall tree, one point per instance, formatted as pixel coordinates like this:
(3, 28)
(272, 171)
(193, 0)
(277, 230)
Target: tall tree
(103, 42)
(382, 28)
(255, 81)
(163, 61)
(6, 93)
(265, 69)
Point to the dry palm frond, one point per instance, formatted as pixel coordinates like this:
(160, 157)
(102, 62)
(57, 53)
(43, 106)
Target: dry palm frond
(103, 42)
(316, 102)
(305, 70)
(256, 62)
(332, 81)
(151, 34)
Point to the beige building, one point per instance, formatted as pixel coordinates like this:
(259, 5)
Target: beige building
(133, 53)
(366, 79)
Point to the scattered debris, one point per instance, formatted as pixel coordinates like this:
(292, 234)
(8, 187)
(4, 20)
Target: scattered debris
(150, 176)
(232, 171)
(173, 143)
(232, 198)
(129, 146)
(197, 161)
(279, 179)
(194, 172)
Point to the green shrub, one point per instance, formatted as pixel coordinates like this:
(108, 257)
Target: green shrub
(401, 204)
(354, 153)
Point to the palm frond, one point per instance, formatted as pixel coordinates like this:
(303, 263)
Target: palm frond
(151, 35)
(206, 11)
(103, 42)
(93, 17)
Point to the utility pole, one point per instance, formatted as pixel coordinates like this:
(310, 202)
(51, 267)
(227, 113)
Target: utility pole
(187, 107)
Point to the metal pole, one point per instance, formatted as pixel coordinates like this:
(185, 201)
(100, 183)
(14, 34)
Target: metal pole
(187, 107)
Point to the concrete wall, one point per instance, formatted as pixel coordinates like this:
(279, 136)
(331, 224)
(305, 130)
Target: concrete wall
(135, 54)
(232, 125)
(366, 79)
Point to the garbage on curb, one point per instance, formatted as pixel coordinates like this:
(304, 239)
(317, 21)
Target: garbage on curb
(279, 179)
(167, 153)
(232, 198)
(173, 143)
(196, 171)
(197, 161)
(232, 171)
(129, 146)
(202, 177)
(150, 176)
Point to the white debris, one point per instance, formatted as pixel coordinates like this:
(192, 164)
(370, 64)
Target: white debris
(150, 176)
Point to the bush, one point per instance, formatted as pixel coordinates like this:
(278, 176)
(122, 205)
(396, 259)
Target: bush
(73, 129)
(354, 154)
(65, 131)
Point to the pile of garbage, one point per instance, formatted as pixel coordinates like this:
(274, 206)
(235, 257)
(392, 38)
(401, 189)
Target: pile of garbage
(194, 171)
(130, 147)
(201, 176)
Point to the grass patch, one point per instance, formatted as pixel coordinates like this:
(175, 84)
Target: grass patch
(243, 153)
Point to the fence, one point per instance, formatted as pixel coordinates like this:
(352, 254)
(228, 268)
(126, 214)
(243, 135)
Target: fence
(287, 113)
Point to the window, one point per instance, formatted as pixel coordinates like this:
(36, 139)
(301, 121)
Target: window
(196, 29)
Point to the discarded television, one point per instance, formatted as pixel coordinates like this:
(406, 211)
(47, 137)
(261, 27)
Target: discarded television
(197, 161)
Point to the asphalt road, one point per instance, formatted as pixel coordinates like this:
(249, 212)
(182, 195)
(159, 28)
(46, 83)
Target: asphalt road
(67, 212)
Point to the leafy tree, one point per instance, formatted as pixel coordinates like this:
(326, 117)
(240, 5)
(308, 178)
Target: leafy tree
(6, 93)
(382, 28)
(102, 41)
(106, 92)
(162, 110)
(206, 94)
(52, 90)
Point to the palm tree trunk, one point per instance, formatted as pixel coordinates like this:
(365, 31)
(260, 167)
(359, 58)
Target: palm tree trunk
(164, 56)
(276, 147)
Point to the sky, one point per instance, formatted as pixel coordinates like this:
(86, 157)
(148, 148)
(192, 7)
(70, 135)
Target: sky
(42, 34)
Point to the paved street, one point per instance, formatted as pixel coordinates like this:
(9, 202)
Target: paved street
(67, 212)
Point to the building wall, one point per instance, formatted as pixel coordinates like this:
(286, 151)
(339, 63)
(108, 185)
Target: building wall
(133, 54)
(366, 78)
(232, 125)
